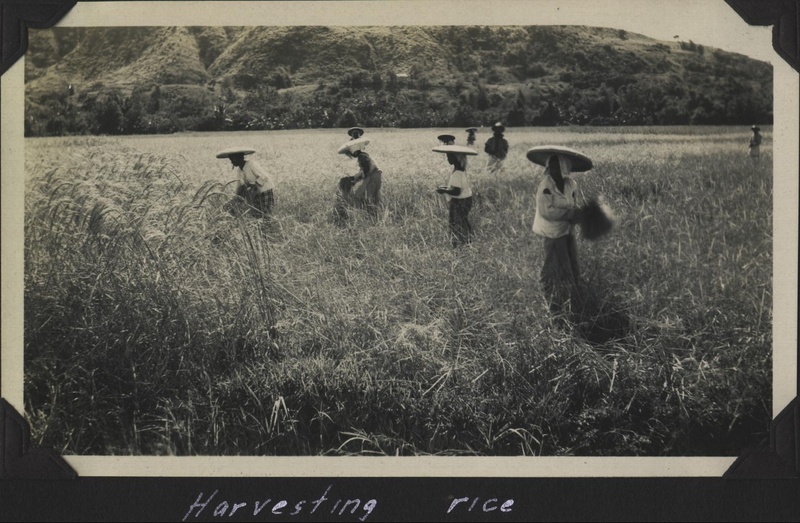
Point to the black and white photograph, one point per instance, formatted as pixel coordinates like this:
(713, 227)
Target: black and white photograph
(273, 231)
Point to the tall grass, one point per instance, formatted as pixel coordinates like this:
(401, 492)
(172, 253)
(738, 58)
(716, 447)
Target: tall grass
(157, 323)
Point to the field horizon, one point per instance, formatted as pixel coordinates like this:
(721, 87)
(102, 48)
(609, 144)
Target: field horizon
(158, 324)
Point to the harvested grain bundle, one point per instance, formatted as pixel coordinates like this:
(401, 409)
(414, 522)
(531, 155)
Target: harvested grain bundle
(596, 219)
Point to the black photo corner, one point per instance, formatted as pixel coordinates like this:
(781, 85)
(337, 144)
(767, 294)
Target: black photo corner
(762, 484)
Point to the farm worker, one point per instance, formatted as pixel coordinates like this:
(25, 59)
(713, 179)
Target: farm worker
(355, 133)
(254, 186)
(497, 148)
(368, 192)
(755, 142)
(471, 136)
(458, 192)
(556, 215)
(447, 139)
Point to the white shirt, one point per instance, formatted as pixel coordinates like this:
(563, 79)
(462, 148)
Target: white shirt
(253, 174)
(461, 180)
(553, 208)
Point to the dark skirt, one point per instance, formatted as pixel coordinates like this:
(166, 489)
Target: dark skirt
(258, 204)
(560, 276)
(460, 228)
(368, 194)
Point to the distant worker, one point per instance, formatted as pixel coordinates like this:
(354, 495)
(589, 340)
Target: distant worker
(755, 142)
(255, 187)
(447, 139)
(497, 148)
(471, 136)
(355, 133)
(458, 193)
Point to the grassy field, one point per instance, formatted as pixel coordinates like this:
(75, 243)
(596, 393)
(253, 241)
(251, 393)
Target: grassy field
(157, 323)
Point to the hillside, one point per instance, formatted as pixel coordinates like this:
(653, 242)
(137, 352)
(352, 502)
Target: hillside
(166, 79)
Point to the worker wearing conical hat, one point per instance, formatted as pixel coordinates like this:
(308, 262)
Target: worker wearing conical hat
(368, 192)
(556, 215)
(458, 193)
(254, 187)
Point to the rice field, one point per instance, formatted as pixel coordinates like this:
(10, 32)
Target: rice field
(156, 323)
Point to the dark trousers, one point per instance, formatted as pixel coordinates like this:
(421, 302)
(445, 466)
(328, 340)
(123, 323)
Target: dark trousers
(560, 276)
(460, 228)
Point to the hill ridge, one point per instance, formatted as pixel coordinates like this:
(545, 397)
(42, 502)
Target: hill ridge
(165, 79)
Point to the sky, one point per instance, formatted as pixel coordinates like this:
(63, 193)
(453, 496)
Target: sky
(711, 23)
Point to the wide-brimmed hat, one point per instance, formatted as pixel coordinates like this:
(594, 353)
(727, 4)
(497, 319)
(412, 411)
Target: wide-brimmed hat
(472, 130)
(455, 149)
(540, 154)
(356, 144)
(355, 132)
(447, 139)
(756, 128)
(230, 151)
(498, 127)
